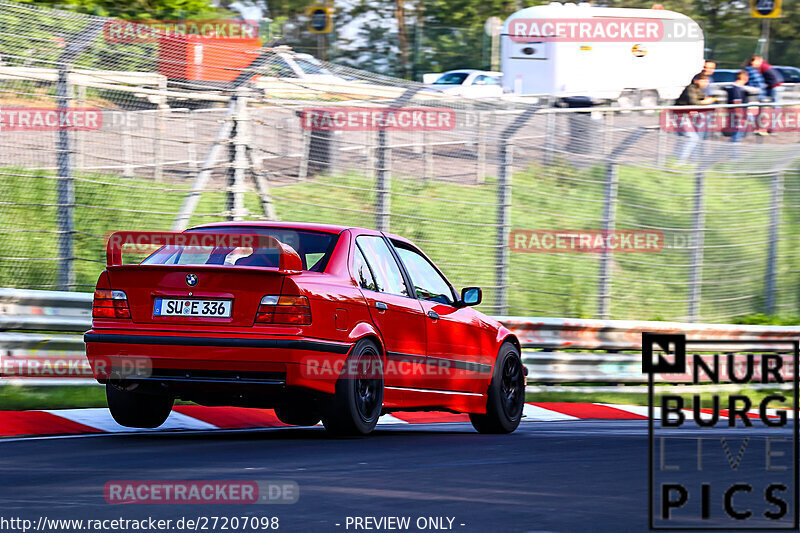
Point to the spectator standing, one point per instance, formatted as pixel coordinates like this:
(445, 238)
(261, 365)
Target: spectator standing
(772, 79)
(693, 95)
(709, 67)
(737, 124)
(754, 77)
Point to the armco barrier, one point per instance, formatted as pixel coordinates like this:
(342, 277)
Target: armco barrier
(555, 350)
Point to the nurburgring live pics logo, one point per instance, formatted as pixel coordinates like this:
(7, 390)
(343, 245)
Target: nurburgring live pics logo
(749, 485)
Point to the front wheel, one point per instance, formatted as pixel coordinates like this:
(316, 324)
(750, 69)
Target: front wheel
(137, 410)
(358, 400)
(506, 396)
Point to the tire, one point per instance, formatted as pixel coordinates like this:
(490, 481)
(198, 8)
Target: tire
(357, 403)
(136, 410)
(506, 395)
(297, 415)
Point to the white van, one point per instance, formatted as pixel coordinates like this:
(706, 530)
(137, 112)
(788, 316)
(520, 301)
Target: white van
(649, 70)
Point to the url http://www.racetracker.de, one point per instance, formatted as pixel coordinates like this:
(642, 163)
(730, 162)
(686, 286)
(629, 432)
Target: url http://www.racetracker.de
(198, 523)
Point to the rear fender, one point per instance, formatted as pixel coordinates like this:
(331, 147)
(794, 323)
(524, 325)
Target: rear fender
(364, 329)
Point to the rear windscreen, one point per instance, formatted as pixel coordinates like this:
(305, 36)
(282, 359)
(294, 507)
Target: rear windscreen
(313, 247)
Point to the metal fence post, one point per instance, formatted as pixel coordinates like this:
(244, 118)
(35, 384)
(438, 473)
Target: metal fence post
(80, 137)
(238, 159)
(305, 155)
(661, 144)
(158, 138)
(481, 149)
(696, 263)
(382, 184)
(609, 223)
(191, 141)
(549, 137)
(427, 154)
(65, 187)
(505, 161)
(127, 145)
(504, 223)
(610, 216)
(776, 203)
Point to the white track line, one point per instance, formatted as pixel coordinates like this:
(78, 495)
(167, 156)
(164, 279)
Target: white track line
(533, 413)
(101, 419)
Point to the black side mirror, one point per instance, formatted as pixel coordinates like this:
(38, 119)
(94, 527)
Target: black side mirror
(471, 296)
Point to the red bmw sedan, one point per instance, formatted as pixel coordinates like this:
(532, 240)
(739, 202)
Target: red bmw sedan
(320, 322)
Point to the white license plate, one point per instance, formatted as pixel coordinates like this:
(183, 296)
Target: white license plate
(177, 307)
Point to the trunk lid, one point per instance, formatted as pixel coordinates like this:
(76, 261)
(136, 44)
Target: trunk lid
(242, 286)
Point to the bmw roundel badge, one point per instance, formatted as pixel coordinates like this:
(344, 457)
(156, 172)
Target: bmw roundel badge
(191, 279)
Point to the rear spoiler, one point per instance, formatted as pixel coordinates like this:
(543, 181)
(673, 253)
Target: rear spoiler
(289, 261)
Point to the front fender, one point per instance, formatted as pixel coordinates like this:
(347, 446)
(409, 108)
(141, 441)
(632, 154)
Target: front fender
(504, 334)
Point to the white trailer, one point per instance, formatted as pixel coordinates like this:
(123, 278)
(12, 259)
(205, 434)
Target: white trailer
(652, 69)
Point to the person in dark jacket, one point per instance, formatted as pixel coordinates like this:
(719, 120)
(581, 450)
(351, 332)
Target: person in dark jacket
(772, 81)
(693, 95)
(695, 92)
(737, 95)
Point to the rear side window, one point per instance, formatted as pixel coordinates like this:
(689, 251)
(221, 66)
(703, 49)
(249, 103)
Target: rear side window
(362, 272)
(382, 264)
(313, 247)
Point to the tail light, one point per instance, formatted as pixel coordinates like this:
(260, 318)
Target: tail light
(110, 304)
(284, 310)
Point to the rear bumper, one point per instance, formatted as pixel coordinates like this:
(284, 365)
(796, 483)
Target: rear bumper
(212, 363)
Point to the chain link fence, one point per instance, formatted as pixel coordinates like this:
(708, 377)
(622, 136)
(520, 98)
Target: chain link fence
(233, 143)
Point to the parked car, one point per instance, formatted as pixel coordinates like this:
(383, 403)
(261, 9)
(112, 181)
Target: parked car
(317, 321)
(470, 83)
(790, 74)
(724, 75)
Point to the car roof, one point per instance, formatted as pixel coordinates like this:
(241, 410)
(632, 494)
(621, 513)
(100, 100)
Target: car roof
(310, 226)
(472, 70)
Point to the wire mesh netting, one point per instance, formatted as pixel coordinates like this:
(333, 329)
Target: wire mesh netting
(189, 130)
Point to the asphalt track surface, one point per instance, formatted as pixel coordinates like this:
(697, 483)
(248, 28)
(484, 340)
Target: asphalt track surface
(584, 475)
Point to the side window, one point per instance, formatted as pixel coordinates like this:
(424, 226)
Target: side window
(362, 273)
(385, 269)
(428, 283)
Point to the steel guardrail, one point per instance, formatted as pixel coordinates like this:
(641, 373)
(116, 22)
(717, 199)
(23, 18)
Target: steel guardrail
(555, 350)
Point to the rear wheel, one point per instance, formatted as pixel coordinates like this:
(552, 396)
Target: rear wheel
(137, 410)
(358, 400)
(506, 396)
(297, 415)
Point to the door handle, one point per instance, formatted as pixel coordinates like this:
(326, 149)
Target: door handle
(382, 306)
(433, 314)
